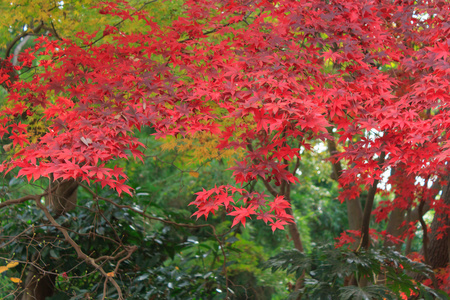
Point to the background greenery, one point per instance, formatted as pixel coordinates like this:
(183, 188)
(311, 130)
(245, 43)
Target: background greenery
(172, 261)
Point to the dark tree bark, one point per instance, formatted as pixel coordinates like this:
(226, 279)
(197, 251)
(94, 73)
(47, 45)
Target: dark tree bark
(398, 216)
(38, 286)
(438, 247)
(354, 208)
(62, 197)
(365, 238)
(393, 228)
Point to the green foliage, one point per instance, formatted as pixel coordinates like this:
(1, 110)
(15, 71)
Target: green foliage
(175, 262)
(165, 266)
(315, 197)
(65, 18)
(170, 263)
(388, 273)
(365, 293)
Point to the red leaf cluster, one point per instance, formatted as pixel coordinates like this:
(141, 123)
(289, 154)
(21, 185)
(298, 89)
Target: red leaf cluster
(376, 73)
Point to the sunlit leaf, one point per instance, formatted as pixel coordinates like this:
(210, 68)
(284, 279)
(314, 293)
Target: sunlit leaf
(15, 280)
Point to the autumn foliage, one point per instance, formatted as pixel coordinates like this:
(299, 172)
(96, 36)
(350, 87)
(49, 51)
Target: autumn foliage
(266, 78)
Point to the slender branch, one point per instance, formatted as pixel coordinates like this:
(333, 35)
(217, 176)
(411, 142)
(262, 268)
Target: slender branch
(21, 200)
(244, 19)
(368, 207)
(24, 34)
(147, 216)
(109, 223)
(15, 59)
(337, 166)
(119, 23)
(269, 187)
(108, 257)
(283, 187)
(89, 260)
(105, 288)
(130, 250)
(436, 187)
(15, 237)
(424, 230)
(267, 184)
(297, 165)
(93, 234)
(55, 32)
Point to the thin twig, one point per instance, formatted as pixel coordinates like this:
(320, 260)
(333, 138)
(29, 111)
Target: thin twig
(119, 23)
(147, 216)
(89, 260)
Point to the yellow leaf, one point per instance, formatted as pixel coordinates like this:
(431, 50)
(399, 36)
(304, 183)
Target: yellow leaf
(15, 280)
(193, 174)
(12, 264)
(110, 274)
(169, 145)
(3, 269)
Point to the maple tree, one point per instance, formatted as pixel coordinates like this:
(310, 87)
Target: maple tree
(266, 79)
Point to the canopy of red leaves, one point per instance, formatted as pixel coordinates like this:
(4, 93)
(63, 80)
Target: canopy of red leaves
(376, 73)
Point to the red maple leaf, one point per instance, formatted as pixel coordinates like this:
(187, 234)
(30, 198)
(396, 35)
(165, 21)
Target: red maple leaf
(278, 225)
(241, 214)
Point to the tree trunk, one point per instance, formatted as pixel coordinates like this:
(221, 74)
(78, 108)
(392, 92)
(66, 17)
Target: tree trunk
(294, 233)
(38, 286)
(354, 208)
(62, 197)
(285, 190)
(398, 216)
(409, 239)
(438, 246)
(393, 228)
(365, 242)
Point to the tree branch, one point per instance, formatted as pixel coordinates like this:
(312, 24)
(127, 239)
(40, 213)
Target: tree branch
(89, 260)
(269, 187)
(24, 34)
(368, 207)
(21, 200)
(119, 23)
(147, 216)
(15, 59)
